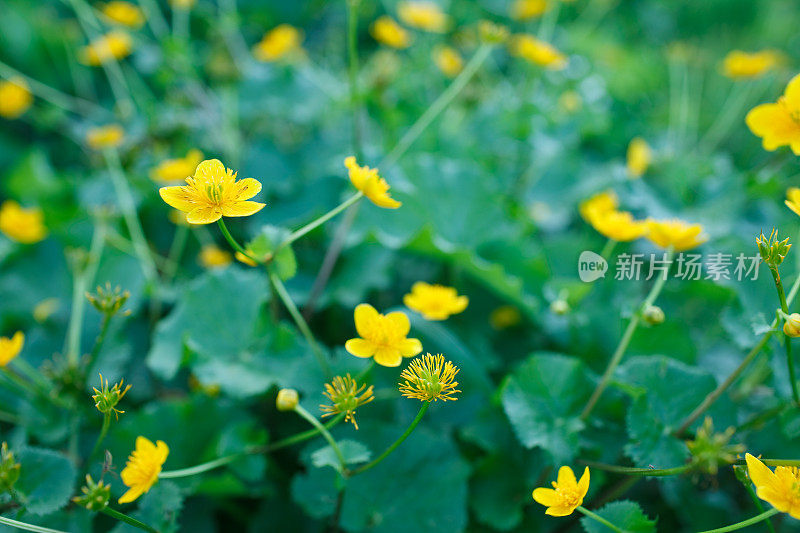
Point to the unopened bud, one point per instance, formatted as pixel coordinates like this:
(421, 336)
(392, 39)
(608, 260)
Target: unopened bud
(559, 307)
(492, 33)
(287, 400)
(95, 495)
(653, 315)
(9, 469)
(791, 327)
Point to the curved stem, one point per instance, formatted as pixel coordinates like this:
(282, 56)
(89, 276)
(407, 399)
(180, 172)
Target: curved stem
(28, 527)
(774, 462)
(352, 70)
(98, 342)
(787, 340)
(101, 437)
(235, 245)
(394, 445)
(744, 523)
(128, 520)
(597, 518)
(758, 505)
(325, 433)
(305, 435)
(202, 467)
(321, 220)
(645, 472)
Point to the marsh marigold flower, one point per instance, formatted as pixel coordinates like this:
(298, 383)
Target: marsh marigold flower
(20, 224)
(676, 233)
(537, 52)
(124, 13)
(435, 302)
(429, 378)
(111, 46)
(448, 60)
(386, 31)
(10, 348)
(106, 399)
(566, 495)
(791, 327)
(373, 186)
(212, 256)
(639, 157)
(212, 193)
(426, 16)
(15, 97)
(382, 336)
(778, 488)
(346, 396)
(793, 199)
(599, 204)
(278, 43)
(177, 169)
(778, 124)
(103, 137)
(527, 9)
(742, 65)
(143, 467)
(618, 225)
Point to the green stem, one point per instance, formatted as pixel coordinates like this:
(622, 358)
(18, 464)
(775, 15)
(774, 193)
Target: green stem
(787, 340)
(235, 245)
(302, 325)
(28, 527)
(98, 342)
(773, 462)
(616, 358)
(352, 61)
(128, 520)
(155, 18)
(644, 472)
(394, 445)
(176, 252)
(321, 220)
(203, 467)
(101, 437)
(759, 507)
(597, 518)
(304, 436)
(744, 523)
(325, 433)
(608, 249)
(180, 23)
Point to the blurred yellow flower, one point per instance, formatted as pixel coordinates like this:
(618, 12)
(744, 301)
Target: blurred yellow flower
(426, 16)
(492, 33)
(741, 65)
(435, 302)
(177, 169)
(778, 488)
(373, 186)
(15, 97)
(20, 224)
(45, 309)
(386, 31)
(793, 199)
(537, 52)
(382, 336)
(570, 101)
(676, 233)
(618, 225)
(778, 124)
(504, 317)
(429, 378)
(113, 45)
(10, 348)
(346, 396)
(123, 13)
(212, 256)
(448, 60)
(183, 4)
(527, 9)
(244, 259)
(566, 495)
(213, 193)
(143, 467)
(639, 157)
(278, 43)
(110, 136)
(599, 204)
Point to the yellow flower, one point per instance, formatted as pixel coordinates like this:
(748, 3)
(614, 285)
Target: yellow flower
(106, 399)
(639, 157)
(527, 9)
(619, 226)
(793, 199)
(182, 4)
(213, 193)
(177, 169)
(778, 124)
(791, 328)
(110, 136)
(113, 45)
(344, 393)
(20, 224)
(15, 97)
(741, 65)
(124, 13)
(143, 467)
(287, 400)
(278, 43)
(570, 101)
(599, 204)
(778, 488)
(386, 31)
(435, 302)
(504, 317)
(373, 186)
(537, 52)
(566, 495)
(676, 233)
(382, 336)
(10, 348)
(45, 309)
(212, 256)
(426, 16)
(448, 60)
(429, 378)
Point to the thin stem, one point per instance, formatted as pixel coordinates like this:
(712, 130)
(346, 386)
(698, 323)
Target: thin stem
(180, 23)
(98, 342)
(352, 60)
(28, 527)
(235, 245)
(643, 472)
(176, 252)
(744, 523)
(597, 518)
(101, 437)
(394, 445)
(773, 462)
(759, 507)
(325, 433)
(616, 358)
(321, 220)
(608, 249)
(787, 340)
(128, 520)
(203, 467)
(155, 18)
(302, 325)
(304, 436)
(731, 110)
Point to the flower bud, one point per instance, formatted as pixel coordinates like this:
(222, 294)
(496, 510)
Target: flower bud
(791, 327)
(106, 399)
(107, 300)
(492, 33)
(559, 307)
(95, 495)
(287, 400)
(653, 315)
(9, 469)
(711, 449)
(772, 251)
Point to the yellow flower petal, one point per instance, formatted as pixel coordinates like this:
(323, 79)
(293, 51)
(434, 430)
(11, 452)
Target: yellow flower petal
(177, 197)
(241, 209)
(546, 497)
(360, 347)
(410, 347)
(759, 473)
(246, 188)
(204, 215)
(566, 478)
(365, 316)
(388, 357)
(400, 321)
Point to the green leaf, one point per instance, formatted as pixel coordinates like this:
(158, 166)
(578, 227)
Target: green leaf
(46, 480)
(626, 515)
(498, 493)
(160, 508)
(353, 451)
(265, 243)
(543, 398)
